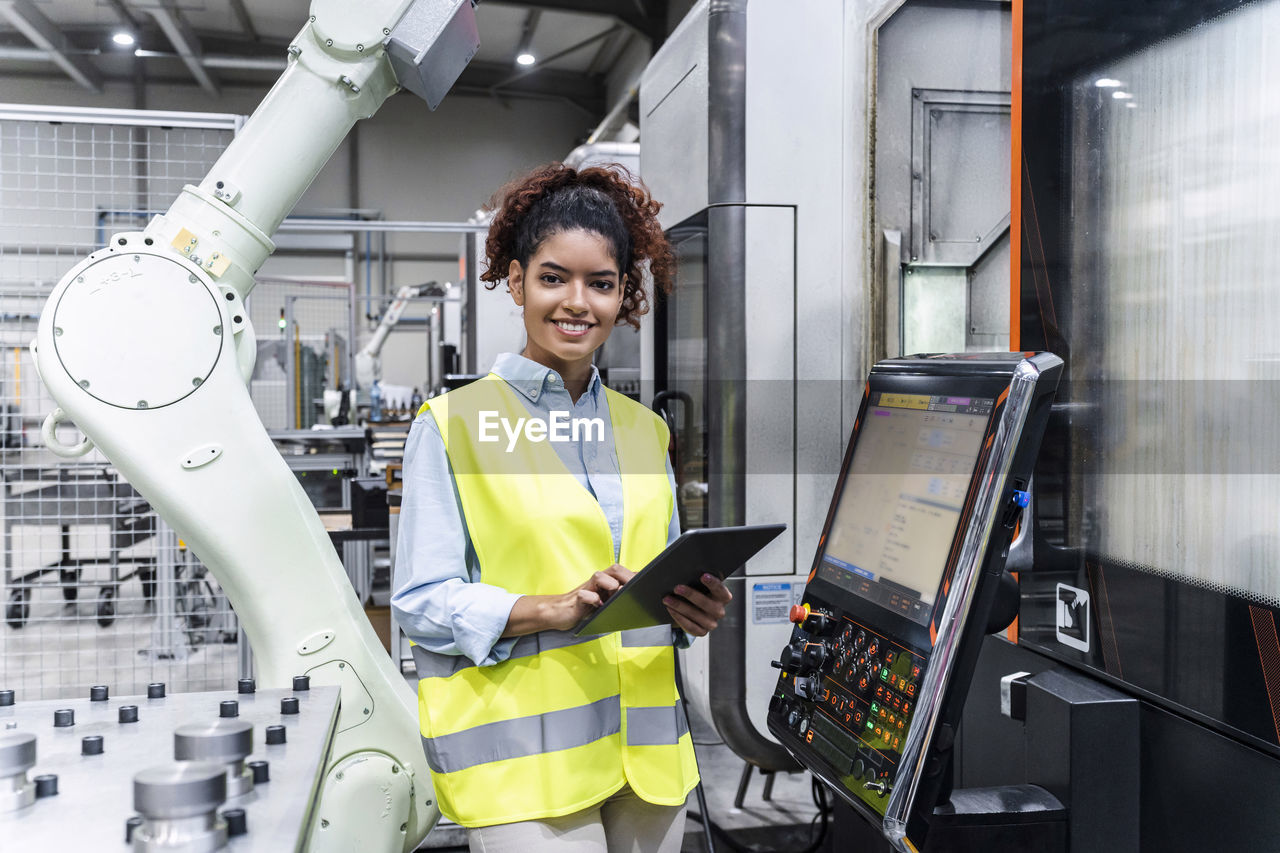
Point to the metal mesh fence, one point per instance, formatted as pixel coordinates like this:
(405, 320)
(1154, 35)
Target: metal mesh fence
(304, 331)
(97, 589)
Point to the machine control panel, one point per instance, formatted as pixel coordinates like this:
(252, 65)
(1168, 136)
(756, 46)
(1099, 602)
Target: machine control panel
(906, 573)
(849, 693)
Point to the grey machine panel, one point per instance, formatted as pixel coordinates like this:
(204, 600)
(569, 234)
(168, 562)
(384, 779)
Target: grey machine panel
(942, 176)
(95, 793)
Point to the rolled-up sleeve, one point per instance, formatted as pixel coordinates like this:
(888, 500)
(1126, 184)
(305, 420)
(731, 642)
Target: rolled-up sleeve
(438, 599)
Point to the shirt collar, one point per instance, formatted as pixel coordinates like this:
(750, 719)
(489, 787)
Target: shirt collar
(531, 378)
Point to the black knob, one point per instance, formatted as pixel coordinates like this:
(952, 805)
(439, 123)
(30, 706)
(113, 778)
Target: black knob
(237, 823)
(64, 717)
(815, 655)
(301, 682)
(261, 772)
(47, 785)
(859, 768)
(792, 657)
(6, 698)
(229, 708)
(155, 690)
(816, 623)
(98, 693)
(128, 713)
(129, 826)
(793, 718)
(91, 745)
(289, 705)
(807, 688)
(275, 734)
(246, 685)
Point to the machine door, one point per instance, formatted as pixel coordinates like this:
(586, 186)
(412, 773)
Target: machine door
(942, 176)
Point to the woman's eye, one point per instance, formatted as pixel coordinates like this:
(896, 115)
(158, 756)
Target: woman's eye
(550, 278)
(603, 285)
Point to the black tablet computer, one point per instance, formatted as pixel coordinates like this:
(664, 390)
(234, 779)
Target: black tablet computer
(718, 550)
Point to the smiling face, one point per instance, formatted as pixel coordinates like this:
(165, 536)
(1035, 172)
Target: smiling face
(571, 292)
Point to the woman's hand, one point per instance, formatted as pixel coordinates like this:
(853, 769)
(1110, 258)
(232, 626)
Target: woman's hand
(698, 613)
(533, 613)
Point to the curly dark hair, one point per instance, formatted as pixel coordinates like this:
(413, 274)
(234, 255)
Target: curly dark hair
(607, 201)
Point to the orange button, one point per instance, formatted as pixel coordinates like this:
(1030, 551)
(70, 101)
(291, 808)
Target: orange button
(799, 612)
(911, 688)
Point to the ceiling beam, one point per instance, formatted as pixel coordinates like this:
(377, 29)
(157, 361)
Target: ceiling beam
(545, 61)
(610, 49)
(124, 14)
(184, 40)
(637, 14)
(494, 78)
(478, 78)
(246, 22)
(45, 35)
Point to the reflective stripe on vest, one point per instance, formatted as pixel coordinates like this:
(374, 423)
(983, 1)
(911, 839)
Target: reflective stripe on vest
(556, 730)
(564, 721)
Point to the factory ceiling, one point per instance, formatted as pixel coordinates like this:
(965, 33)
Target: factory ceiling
(218, 43)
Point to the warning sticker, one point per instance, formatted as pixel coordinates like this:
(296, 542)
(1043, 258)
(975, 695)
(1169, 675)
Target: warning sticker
(771, 602)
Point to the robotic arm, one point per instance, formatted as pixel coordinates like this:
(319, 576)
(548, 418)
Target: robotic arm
(147, 347)
(368, 365)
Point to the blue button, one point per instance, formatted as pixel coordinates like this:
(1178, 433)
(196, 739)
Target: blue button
(1021, 498)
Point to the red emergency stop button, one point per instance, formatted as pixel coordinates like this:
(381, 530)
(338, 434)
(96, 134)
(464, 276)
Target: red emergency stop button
(799, 612)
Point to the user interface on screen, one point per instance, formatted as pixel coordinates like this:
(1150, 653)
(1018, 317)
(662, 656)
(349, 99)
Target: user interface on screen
(902, 499)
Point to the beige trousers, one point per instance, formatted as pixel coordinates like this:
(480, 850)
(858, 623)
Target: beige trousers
(624, 823)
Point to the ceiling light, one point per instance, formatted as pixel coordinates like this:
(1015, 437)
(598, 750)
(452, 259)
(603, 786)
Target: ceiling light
(123, 39)
(524, 47)
(1121, 96)
(1107, 83)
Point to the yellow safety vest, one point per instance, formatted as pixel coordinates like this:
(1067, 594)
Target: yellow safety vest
(565, 721)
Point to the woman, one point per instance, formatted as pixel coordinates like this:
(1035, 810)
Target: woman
(530, 496)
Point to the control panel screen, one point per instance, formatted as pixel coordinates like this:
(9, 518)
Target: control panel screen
(902, 499)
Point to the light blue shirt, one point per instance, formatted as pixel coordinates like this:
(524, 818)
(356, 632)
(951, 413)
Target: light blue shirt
(438, 598)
